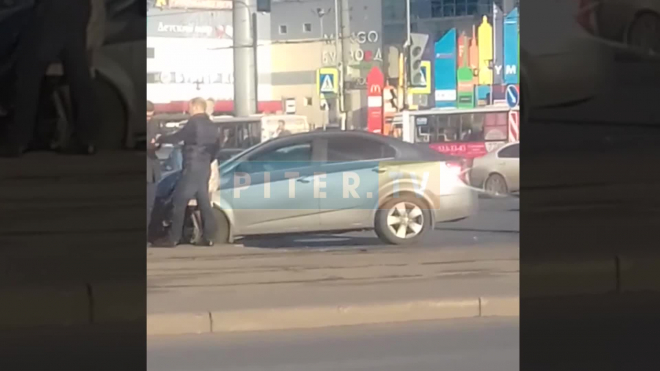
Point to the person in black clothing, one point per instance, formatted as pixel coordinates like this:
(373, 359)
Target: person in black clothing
(200, 137)
(57, 31)
(153, 165)
(281, 129)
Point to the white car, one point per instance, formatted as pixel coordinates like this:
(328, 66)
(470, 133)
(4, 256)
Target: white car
(561, 63)
(635, 23)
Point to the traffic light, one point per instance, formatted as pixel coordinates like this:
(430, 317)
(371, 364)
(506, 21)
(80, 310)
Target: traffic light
(263, 6)
(416, 77)
(390, 98)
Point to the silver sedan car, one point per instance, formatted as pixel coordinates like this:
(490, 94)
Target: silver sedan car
(635, 23)
(498, 172)
(336, 181)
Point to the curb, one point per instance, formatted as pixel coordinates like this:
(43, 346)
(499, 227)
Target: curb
(328, 316)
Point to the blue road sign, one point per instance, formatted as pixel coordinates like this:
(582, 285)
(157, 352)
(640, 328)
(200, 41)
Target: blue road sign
(512, 96)
(327, 81)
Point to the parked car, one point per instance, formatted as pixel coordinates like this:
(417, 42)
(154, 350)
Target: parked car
(333, 181)
(635, 23)
(498, 172)
(564, 68)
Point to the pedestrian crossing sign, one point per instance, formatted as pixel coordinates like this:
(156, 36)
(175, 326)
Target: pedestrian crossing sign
(426, 79)
(326, 81)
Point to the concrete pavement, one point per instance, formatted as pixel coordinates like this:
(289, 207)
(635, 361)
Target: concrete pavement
(475, 344)
(206, 291)
(464, 269)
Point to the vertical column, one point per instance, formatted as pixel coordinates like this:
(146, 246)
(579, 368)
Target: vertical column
(345, 60)
(244, 62)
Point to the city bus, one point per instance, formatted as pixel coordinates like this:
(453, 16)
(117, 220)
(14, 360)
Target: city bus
(465, 133)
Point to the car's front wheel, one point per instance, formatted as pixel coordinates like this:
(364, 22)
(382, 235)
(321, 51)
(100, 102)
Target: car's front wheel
(222, 228)
(403, 220)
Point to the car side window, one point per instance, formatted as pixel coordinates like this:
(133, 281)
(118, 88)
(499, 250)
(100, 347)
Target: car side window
(357, 149)
(283, 158)
(510, 152)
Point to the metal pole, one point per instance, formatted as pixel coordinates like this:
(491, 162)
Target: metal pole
(406, 47)
(492, 64)
(325, 114)
(346, 51)
(255, 42)
(338, 58)
(244, 69)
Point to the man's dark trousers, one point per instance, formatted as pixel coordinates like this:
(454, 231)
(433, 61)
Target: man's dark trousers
(57, 32)
(194, 183)
(151, 198)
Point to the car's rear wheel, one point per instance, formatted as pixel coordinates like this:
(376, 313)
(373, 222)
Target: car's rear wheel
(403, 220)
(495, 186)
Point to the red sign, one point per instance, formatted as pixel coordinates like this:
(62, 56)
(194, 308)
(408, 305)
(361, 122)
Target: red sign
(466, 150)
(514, 127)
(375, 83)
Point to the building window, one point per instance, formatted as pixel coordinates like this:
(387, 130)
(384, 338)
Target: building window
(308, 101)
(307, 27)
(283, 29)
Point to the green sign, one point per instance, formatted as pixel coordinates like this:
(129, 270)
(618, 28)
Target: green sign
(465, 90)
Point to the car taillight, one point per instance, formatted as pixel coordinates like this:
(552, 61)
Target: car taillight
(586, 16)
(459, 169)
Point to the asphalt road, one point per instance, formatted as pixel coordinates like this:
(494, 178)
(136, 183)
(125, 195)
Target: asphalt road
(475, 344)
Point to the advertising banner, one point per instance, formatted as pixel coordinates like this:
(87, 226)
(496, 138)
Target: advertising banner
(445, 70)
(375, 83)
(511, 47)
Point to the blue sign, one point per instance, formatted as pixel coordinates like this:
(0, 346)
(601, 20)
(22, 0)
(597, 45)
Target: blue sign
(511, 47)
(326, 80)
(445, 70)
(512, 96)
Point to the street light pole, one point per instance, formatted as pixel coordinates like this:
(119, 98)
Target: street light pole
(345, 58)
(244, 85)
(320, 12)
(338, 64)
(406, 47)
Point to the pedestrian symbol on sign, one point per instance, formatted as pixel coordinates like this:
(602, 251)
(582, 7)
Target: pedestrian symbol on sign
(326, 81)
(327, 84)
(423, 77)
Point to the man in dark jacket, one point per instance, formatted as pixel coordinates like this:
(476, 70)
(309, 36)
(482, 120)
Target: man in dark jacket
(153, 165)
(200, 138)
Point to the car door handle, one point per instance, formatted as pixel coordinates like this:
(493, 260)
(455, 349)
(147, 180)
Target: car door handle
(379, 170)
(303, 180)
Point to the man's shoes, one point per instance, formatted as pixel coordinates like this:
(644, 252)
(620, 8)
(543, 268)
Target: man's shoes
(12, 150)
(206, 243)
(79, 148)
(165, 244)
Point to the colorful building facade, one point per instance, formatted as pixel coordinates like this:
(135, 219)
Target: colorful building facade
(486, 61)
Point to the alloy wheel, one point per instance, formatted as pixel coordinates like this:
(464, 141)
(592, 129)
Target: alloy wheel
(405, 220)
